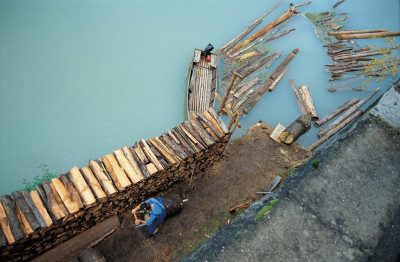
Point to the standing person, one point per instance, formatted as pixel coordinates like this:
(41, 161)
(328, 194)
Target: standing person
(157, 214)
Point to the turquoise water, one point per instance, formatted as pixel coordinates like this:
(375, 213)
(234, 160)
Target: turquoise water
(79, 79)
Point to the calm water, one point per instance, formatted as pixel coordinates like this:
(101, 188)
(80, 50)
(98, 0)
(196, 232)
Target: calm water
(79, 79)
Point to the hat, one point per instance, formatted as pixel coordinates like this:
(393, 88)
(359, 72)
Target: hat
(145, 206)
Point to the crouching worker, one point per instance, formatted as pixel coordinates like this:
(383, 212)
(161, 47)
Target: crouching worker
(157, 213)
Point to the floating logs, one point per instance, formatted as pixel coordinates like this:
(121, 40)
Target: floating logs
(299, 101)
(32, 223)
(363, 34)
(308, 102)
(336, 112)
(296, 129)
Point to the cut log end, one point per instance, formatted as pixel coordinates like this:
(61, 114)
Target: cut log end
(286, 137)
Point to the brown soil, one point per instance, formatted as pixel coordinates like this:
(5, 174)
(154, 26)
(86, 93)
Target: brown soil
(249, 165)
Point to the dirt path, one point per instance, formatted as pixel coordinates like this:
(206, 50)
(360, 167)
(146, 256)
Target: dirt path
(249, 165)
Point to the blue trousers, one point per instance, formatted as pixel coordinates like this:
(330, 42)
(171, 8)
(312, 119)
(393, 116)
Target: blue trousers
(156, 222)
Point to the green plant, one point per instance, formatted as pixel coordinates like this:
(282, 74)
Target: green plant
(387, 126)
(47, 176)
(265, 209)
(236, 236)
(315, 163)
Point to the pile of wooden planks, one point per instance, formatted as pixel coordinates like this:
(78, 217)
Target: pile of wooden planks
(36, 221)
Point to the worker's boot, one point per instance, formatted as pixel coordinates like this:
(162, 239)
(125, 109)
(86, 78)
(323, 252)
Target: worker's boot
(146, 234)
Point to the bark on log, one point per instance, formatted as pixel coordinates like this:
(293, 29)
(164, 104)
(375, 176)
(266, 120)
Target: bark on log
(139, 152)
(168, 155)
(295, 130)
(67, 198)
(183, 141)
(35, 211)
(202, 132)
(245, 87)
(146, 149)
(188, 129)
(334, 130)
(82, 187)
(219, 121)
(126, 166)
(58, 199)
(129, 156)
(299, 101)
(26, 210)
(11, 214)
(203, 119)
(116, 173)
(351, 110)
(275, 135)
(142, 165)
(308, 102)
(343, 32)
(222, 105)
(173, 146)
(212, 120)
(286, 15)
(243, 100)
(93, 183)
(336, 112)
(101, 175)
(277, 80)
(55, 211)
(5, 225)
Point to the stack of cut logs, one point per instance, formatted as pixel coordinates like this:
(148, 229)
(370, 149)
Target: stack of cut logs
(36, 221)
(243, 93)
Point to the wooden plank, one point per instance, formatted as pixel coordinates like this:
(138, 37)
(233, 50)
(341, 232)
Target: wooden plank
(66, 196)
(273, 184)
(126, 166)
(140, 163)
(34, 201)
(214, 60)
(58, 199)
(129, 156)
(202, 132)
(93, 183)
(79, 242)
(26, 210)
(116, 173)
(219, 121)
(102, 176)
(5, 225)
(146, 149)
(11, 214)
(55, 212)
(168, 155)
(80, 184)
(196, 56)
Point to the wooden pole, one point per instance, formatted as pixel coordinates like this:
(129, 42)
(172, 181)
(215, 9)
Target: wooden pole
(308, 102)
(346, 114)
(358, 31)
(277, 80)
(334, 130)
(336, 112)
(299, 101)
(367, 35)
(286, 15)
(221, 106)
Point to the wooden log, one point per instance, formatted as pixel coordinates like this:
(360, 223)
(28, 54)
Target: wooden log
(193, 146)
(142, 165)
(250, 28)
(131, 159)
(308, 102)
(168, 155)
(173, 146)
(93, 183)
(295, 130)
(3, 239)
(103, 178)
(346, 114)
(183, 141)
(247, 55)
(286, 15)
(71, 204)
(360, 55)
(11, 214)
(189, 130)
(303, 4)
(26, 210)
(299, 101)
(211, 125)
(26, 228)
(222, 105)
(55, 212)
(35, 203)
(152, 168)
(82, 187)
(233, 118)
(337, 4)
(5, 225)
(343, 32)
(73, 245)
(334, 130)
(126, 166)
(146, 149)
(243, 100)
(139, 152)
(244, 72)
(58, 199)
(179, 143)
(246, 87)
(219, 121)
(273, 59)
(202, 132)
(275, 135)
(277, 80)
(269, 81)
(208, 130)
(336, 112)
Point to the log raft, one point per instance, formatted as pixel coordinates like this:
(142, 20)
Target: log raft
(34, 222)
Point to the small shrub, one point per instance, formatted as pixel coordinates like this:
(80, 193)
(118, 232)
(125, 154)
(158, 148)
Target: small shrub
(265, 209)
(47, 176)
(238, 234)
(315, 163)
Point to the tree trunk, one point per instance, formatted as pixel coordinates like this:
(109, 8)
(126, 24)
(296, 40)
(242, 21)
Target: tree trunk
(295, 130)
(82, 187)
(367, 35)
(299, 101)
(308, 102)
(336, 112)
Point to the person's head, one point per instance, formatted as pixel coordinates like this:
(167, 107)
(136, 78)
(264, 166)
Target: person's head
(145, 206)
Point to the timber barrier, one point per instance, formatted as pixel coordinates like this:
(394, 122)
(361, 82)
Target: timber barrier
(37, 221)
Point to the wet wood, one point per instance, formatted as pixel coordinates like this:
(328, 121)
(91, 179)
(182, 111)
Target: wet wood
(336, 112)
(222, 105)
(298, 99)
(103, 178)
(131, 159)
(126, 166)
(34, 201)
(337, 4)
(250, 28)
(295, 130)
(286, 15)
(11, 214)
(334, 130)
(246, 71)
(93, 183)
(5, 225)
(346, 114)
(308, 102)
(277, 80)
(81, 186)
(245, 87)
(26, 210)
(360, 55)
(343, 32)
(242, 101)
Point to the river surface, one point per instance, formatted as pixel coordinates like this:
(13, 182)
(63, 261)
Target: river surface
(79, 79)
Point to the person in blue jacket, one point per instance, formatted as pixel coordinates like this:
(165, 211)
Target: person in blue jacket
(157, 213)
